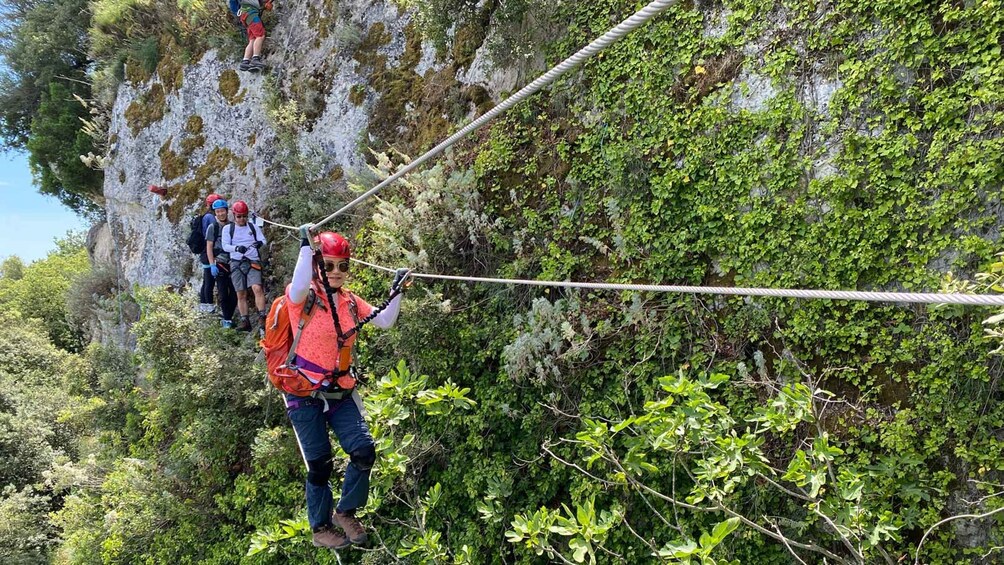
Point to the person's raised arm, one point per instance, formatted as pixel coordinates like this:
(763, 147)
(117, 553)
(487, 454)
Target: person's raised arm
(304, 270)
(386, 318)
(388, 315)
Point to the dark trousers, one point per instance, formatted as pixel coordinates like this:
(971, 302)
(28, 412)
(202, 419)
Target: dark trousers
(228, 296)
(310, 424)
(208, 283)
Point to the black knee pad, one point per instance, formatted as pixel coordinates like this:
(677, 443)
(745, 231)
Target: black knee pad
(364, 457)
(319, 471)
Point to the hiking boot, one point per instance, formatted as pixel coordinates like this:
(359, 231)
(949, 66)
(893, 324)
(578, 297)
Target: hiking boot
(351, 526)
(329, 538)
(244, 325)
(256, 65)
(245, 65)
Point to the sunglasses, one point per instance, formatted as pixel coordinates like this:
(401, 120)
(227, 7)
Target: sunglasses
(240, 215)
(331, 266)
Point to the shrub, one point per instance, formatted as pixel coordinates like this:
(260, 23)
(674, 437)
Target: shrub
(88, 295)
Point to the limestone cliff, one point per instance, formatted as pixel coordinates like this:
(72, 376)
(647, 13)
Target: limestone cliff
(204, 127)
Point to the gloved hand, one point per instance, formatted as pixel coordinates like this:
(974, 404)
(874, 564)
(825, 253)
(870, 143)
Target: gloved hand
(241, 249)
(257, 245)
(214, 270)
(401, 280)
(305, 234)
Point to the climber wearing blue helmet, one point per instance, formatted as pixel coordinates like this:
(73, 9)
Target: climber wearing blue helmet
(219, 262)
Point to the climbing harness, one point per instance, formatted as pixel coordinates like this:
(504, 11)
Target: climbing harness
(345, 376)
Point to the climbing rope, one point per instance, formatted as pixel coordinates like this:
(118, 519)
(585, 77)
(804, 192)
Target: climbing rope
(867, 296)
(604, 41)
(270, 222)
(637, 19)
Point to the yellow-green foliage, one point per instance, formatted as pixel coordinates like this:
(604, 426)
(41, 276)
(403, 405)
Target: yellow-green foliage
(114, 21)
(229, 85)
(148, 109)
(40, 291)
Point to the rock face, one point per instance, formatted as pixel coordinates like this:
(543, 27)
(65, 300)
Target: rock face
(358, 75)
(208, 129)
(199, 146)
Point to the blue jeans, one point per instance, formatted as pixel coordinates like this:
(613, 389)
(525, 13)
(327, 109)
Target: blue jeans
(310, 424)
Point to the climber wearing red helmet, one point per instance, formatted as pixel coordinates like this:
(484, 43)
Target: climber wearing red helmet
(323, 356)
(243, 242)
(208, 280)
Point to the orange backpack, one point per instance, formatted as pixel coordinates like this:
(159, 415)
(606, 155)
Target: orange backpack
(279, 347)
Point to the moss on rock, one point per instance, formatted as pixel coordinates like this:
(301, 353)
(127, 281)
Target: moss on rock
(413, 112)
(357, 94)
(189, 192)
(229, 86)
(194, 124)
(172, 165)
(169, 69)
(135, 72)
(146, 110)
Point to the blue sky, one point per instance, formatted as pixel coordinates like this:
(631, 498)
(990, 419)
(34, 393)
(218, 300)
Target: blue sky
(29, 222)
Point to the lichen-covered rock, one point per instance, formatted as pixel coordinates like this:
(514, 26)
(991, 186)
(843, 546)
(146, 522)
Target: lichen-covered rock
(196, 147)
(357, 70)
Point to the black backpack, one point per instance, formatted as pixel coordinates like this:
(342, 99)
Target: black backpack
(196, 239)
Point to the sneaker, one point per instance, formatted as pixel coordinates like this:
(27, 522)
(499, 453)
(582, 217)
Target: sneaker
(227, 323)
(245, 65)
(351, 526)
(256, 65)
(328, 537)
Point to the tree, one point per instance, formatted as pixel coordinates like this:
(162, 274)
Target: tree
(56, 144)
(40, 294)
(44, 49)
(12, 268)
(41, 42)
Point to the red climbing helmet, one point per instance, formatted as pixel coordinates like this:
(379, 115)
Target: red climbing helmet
(240, 207)
(212, 198)
(333, 245)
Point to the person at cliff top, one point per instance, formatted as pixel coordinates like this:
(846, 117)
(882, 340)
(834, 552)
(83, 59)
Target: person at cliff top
(220, 263)
(323, 356)
(242, 241)
(250, 15)
(208, 280)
